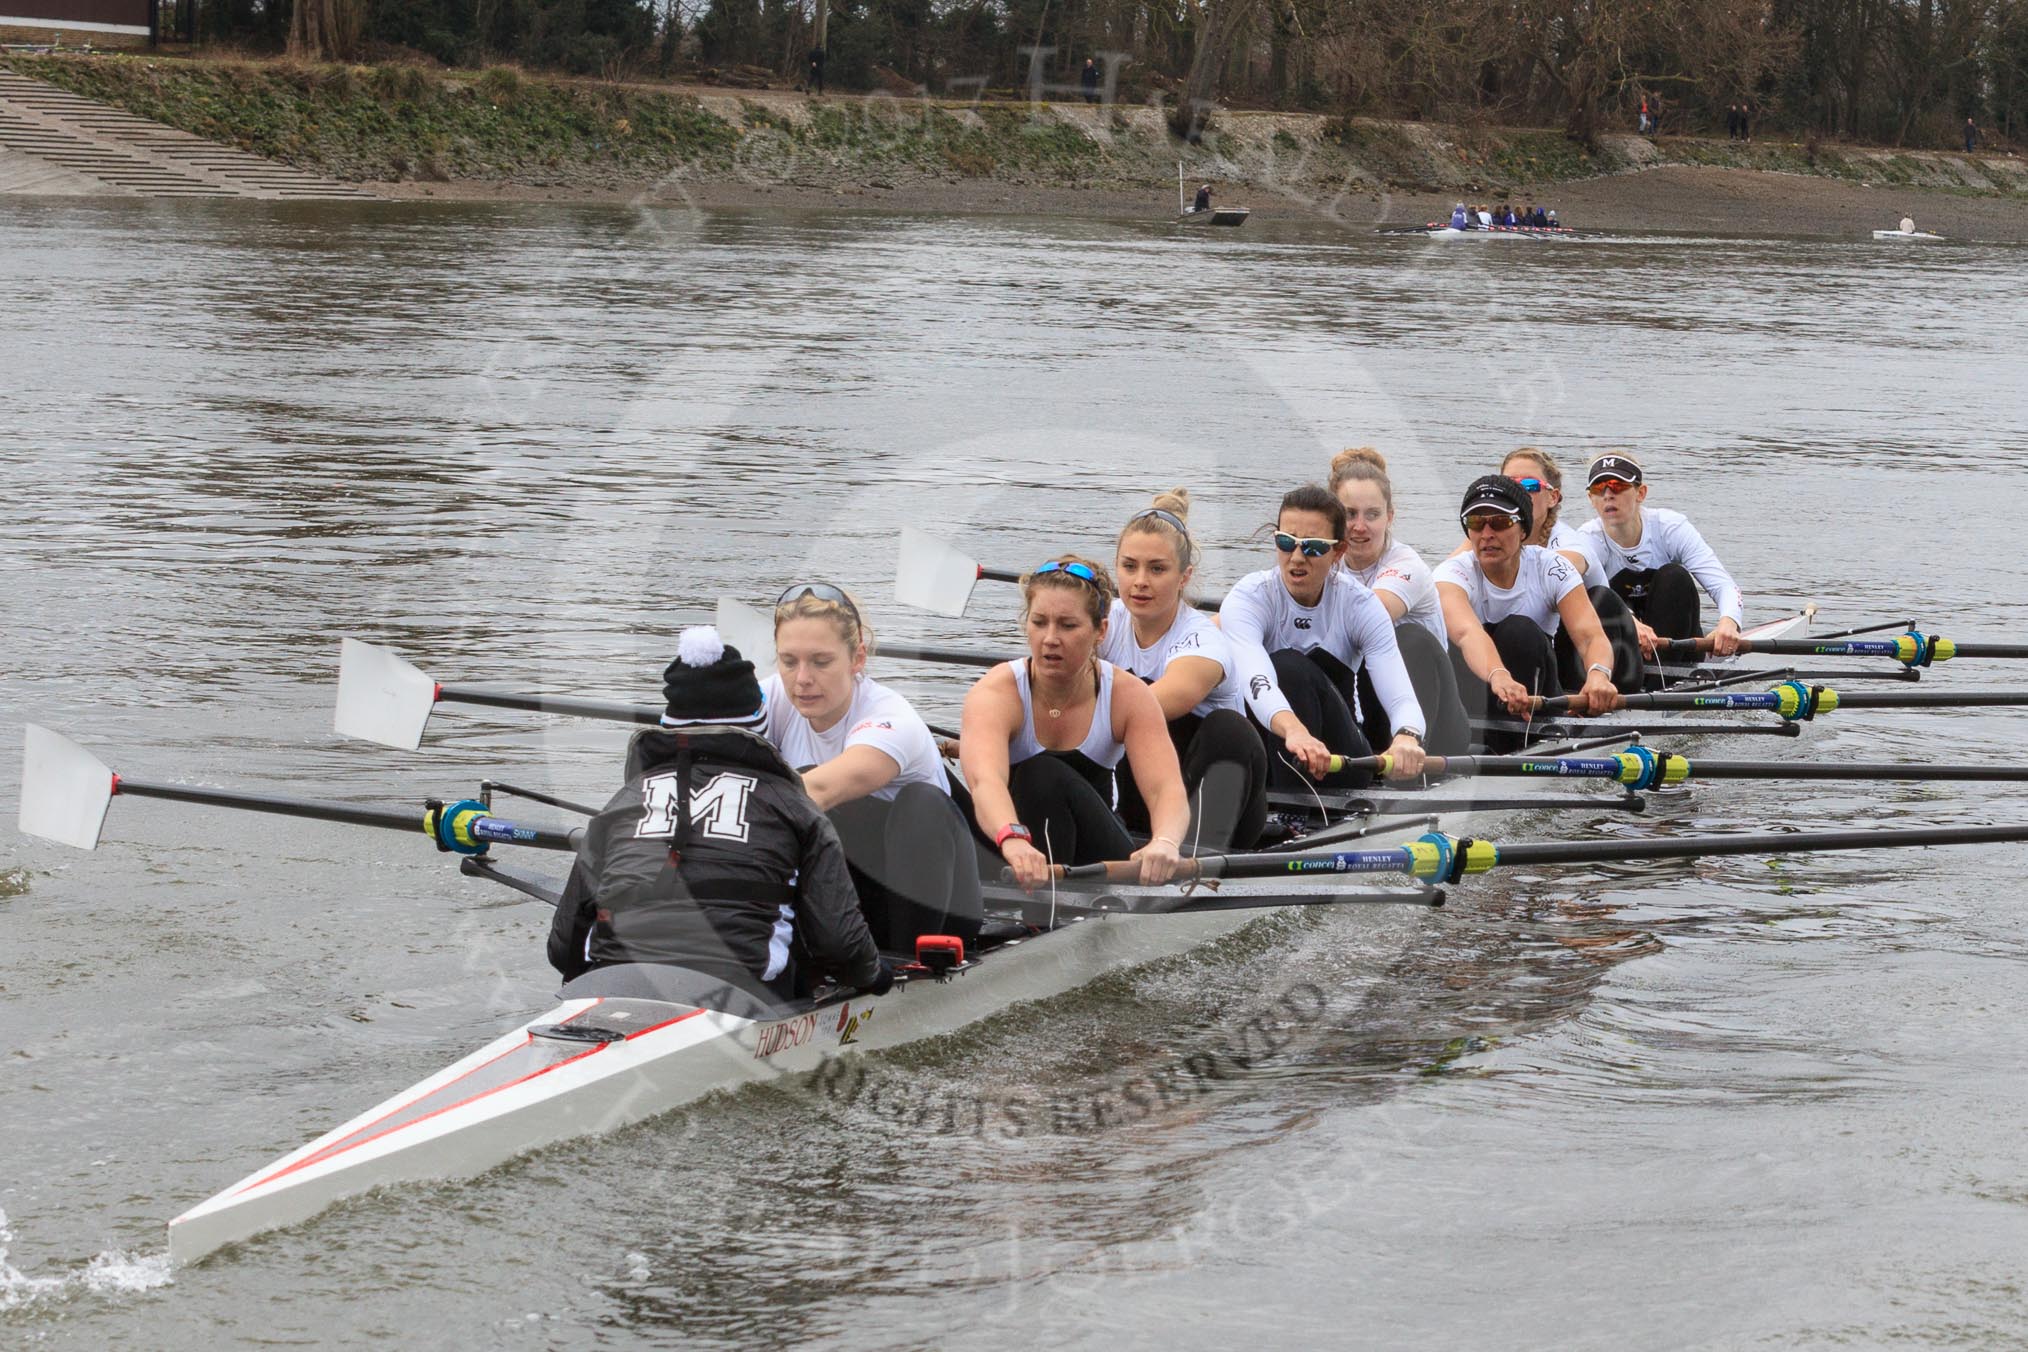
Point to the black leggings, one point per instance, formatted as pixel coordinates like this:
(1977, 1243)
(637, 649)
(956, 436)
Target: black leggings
(1666, 598)
(1436, 690)
(1529, 657)
(1225, 772)
(1072, 821)
(913, 864)
(1319, 689)
(1618, 622)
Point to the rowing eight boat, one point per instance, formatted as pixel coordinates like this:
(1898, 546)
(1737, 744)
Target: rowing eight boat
(601, 1059)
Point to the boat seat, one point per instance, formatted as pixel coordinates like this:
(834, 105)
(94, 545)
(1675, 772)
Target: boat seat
(672, 985)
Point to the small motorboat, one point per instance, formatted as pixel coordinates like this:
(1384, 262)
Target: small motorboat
(1907, 231)
(1189, 215)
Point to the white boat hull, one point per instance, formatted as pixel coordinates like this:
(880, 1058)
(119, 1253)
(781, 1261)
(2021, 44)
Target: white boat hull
(1905, 234)
(523, 1091)
(1497, 232)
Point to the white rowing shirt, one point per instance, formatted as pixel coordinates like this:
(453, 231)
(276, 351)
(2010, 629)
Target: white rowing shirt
(1401, 570)
(1566, 538)
(1191, 635)
(1542, 579)
(1099, 745)
(1668, 537)
(1348, 621)
(877, 717)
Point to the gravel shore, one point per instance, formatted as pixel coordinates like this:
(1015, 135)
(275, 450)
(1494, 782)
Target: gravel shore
(1663, 199)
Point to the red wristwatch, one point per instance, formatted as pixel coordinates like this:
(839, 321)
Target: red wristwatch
(1012, 830)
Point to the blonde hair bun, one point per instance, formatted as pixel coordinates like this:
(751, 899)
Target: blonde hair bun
(1176, 502)
(1358, 455)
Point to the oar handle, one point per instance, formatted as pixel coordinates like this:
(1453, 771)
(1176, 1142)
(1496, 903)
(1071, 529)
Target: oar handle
(1110, 870)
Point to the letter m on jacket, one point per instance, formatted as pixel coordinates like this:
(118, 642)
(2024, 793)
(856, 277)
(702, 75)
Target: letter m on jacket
(718, 809)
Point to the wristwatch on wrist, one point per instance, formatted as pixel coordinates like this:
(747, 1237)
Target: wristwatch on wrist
(1012, 831)
(1411, 734)
(1602, 669)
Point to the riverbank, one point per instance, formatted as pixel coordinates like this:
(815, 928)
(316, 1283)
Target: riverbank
(410, 132)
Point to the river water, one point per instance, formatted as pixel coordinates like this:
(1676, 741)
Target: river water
(1735, 1102)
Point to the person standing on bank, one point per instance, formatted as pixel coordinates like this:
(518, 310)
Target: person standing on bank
(1512, 609)
(1156, 634)
(1655, 559)
(1042, 736)
(1300, 633)
(1088, 80)
(711, 857)
(1401, 581)
(868, 760)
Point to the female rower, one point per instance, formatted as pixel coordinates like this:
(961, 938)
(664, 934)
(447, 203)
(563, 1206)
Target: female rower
(1656, 560)
(870, 763)
(1509, 605)
(1041, 738)
(1539, 475)
(1299, 634)
(1185, 658)
(1397, 575)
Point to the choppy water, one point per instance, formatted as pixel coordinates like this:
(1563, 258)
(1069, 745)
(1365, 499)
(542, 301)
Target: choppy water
(1709, 1104)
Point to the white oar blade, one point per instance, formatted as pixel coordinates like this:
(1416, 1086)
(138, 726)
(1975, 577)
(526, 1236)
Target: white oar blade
(933, 575)
(381, 698)
(750, 631)
(64, 790)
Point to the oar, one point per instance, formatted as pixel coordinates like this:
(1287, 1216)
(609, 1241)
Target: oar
(1859, 629)
(1369, 804)
(1596, 727)
(935, 575)
(1042, 910)
(1794, 700)
(65, 791)
(1641, 768)
(1912, 649)
(383, 698)
(1444, 859)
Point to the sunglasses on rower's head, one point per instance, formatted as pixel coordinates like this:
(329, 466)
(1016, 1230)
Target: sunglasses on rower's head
(1532, 485)
(822, 591)
(1612, 486)
(1496, 521)
(1163, 515)
(1313, 547)
(1081, 571)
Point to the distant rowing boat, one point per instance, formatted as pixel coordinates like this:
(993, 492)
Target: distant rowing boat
(1439, 230)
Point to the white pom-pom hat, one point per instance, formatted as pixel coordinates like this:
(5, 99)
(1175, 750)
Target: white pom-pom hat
(709, 683)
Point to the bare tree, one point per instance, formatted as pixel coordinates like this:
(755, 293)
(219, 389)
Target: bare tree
(1219, 26)
(326, 30)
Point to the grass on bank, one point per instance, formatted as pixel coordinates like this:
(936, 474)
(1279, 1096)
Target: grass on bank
(395, 122)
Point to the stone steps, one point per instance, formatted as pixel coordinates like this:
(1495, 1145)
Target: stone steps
(132, 155)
